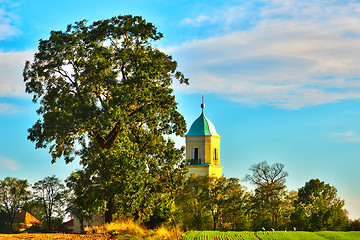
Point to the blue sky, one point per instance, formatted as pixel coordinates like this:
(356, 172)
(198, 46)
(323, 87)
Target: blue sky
(280, 79)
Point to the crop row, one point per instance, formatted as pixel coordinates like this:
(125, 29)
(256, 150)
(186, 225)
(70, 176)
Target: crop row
(229, 236)
(271, 235)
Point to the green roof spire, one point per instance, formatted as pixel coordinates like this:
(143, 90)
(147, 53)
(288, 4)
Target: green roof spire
(202, 126)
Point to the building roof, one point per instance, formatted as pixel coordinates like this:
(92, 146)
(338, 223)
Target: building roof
(69, 223)
(202, 126)
(26, 218)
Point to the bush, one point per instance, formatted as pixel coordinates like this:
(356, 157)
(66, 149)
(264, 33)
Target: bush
(354, 225)
(127, 229)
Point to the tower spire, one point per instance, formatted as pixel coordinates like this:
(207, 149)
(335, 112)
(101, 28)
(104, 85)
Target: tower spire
(203, 147)
(202, 104)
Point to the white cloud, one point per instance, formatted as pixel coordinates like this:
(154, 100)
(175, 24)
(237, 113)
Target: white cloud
(298, 54)
(8, 164)
(9, 108)
(11, 63)
(348, 136)
(11, 79)
(7, 20)
(198, 21)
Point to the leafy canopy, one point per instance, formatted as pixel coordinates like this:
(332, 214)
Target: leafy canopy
(97, 82)
(319, 208)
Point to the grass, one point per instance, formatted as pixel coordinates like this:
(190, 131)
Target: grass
(119, 230)
(127, 229)
(281, 235)
(53, 236)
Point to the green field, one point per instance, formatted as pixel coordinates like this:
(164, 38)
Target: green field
(215, 235)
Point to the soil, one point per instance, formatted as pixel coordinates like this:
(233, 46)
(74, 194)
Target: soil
(51, 236)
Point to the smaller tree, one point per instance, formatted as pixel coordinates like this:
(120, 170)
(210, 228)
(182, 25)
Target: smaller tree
(319, 208)
(13, 194)
(213, 195)
(219, 201)
(51, 193)
(271, 205)
(236, 206)
(4, 222)
(81, 202)
(227, 200)
(354, 225)
(191, 203)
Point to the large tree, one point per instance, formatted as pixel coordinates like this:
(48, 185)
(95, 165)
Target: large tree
(13, 194)
(105, 93)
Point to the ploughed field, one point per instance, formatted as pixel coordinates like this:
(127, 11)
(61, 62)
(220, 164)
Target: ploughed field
(51, 236)
(198, 235)
(298, 235)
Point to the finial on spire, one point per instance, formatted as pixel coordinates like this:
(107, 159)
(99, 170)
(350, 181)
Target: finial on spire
(202, 103)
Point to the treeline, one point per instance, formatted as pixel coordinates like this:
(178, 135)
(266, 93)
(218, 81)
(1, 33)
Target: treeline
(46, 200)
(199, 203)
(208, 203)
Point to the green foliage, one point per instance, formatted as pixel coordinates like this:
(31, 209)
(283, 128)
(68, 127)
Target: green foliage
(354, 225)
(105, 95)
(221, 201)
(226, 205)
(319, 208)
(5, 220)
(191, 204)
(272, 203)
(13, 194)
(235, 206)
(101, 81)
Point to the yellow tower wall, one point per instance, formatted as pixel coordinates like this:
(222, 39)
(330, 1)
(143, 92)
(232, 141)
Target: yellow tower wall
(195, 142)
(207, 170)
(207, 145)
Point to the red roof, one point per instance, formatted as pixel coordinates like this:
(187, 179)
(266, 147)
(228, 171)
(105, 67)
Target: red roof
(69, 223)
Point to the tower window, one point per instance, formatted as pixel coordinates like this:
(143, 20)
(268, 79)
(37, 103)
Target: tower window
(196, 154)
(216, 154)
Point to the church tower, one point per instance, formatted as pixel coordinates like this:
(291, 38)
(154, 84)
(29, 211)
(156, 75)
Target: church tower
(203, 148)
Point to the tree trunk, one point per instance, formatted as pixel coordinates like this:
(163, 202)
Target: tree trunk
(213, 213)
(109, 210)
(82, 226)
(48, 220)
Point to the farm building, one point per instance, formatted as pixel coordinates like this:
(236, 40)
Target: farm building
(24, 220)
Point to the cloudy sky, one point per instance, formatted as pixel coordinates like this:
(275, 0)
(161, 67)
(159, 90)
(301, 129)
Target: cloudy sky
(280, 79)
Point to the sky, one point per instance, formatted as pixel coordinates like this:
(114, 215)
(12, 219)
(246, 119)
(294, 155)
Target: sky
(280, 80)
